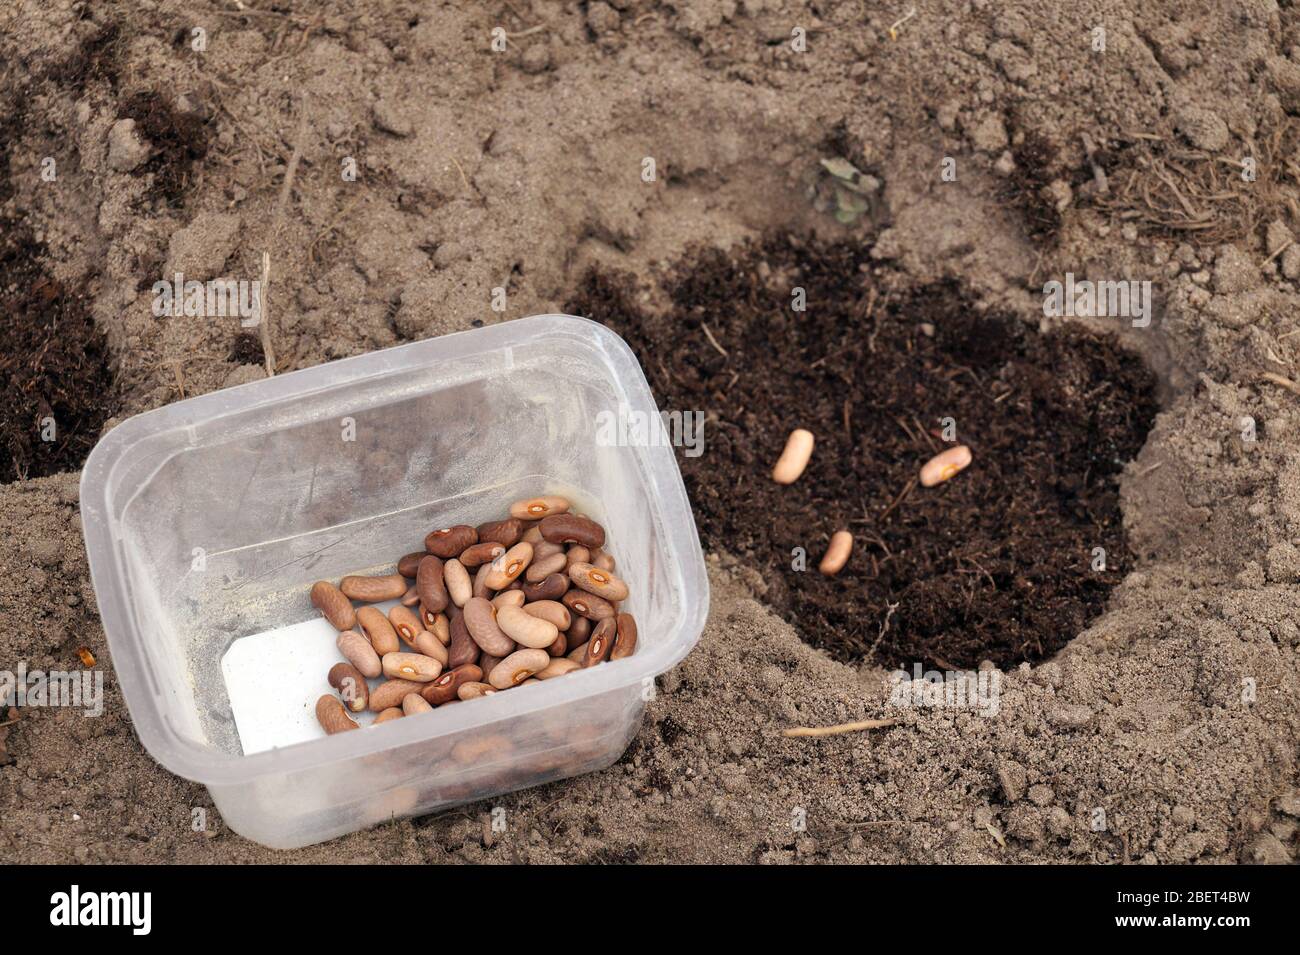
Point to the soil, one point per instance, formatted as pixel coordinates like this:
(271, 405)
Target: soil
(1164, 729)
(996, 565)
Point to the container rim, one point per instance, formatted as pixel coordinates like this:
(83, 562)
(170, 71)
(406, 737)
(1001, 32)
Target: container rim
(100, 526)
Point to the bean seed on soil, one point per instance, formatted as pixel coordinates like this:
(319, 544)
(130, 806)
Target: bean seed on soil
(794, 459)
(837, 553)
(945, 465)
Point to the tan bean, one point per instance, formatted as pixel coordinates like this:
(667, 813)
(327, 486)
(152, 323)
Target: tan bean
(604, 560)
(481, 588)
(599, 582)
(359, 653)
(577, 554)
(944, 465)
(430, 646)
(509, 566)
(374, 589)
(472, 691)
(837, 554)
(572, 529)
(588, 605)
(483, 553)
(415, 667)
(508, 598)
(525, 629)
(794, 459)
(551, 610)
(558, 667)
(547, 549)
(333, 605)
(443, 689)
(579, 631)
(543, 567)
(459, 587)
(450, 541)
(462, 649)
(535, 508)
(506, 533)
(410, 564)
(331, 715)
(578, 654)
(560, 647)
(481, 621)
(517, 667)
(378, 630)
(406, 622)
(390, 693)
(392, 713)
(533, 535)
(429, 583)
(437, 624)
(412, 597)
(602, 640)
(351, 686)
(624, 637)
(552, 588)
(413, 704)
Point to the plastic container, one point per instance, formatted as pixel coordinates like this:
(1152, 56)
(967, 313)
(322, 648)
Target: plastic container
(208, 520)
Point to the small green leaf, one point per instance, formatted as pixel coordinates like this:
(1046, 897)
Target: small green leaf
(840, 168)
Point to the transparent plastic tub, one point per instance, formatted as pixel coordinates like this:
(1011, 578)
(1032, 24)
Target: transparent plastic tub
(208, 520)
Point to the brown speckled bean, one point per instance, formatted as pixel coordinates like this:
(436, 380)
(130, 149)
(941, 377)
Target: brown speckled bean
(430, 646)
(572, 529)
(509, 566)
(552, 588)
(506, 533)
(373, 589)
(443, 689)
(333, 605)
(518, 667)
(415, 667)
(351, 685)
(448, 542)
(429, 583)
(437, 624)
(535, 508)
(588, 605)
(390, 693)
(481, 621)
(378, 630)
(624, 637)
(483, 553)
(462, 649)
(331, 715)
(410, 563)
(602, 639)
(459, 587)
(543, 567)
(359, 653)
(599, 582)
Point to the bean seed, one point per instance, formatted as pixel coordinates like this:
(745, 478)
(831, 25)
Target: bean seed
(506, 533)
(560, 647)
(374, 589)
(944, 465)
(437, 624)
(624, 637)
(598, 582)
(552, 588)
(547, 549)
(508, 598)
(509, 566)
(535, 508)
(443, 689)
(579, 631)
(518, 667)
(427, 644)
(462, 649)
(551, 610)
(558, 667)
(459, 587)
(391, 692)
(480, 581)
(428, 581)
(794, 459)
(837, 553)
(533, 535)
(359, 653)
(602, 639)
(480, 620)
(412, 596)
(378, 630)
(333, 605)
(483, 553)
(588, 605)
(415, 667)
(392, 713)
(410, 563)
(578, 654)
(577, 554)
(525, 629)
(543, 567)
(603, 560)
(486, 662)
(572, 529)
(406, 622)
(351, 685)
(472, 691)
(449, 541)
(331, 715)
(414, 703)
